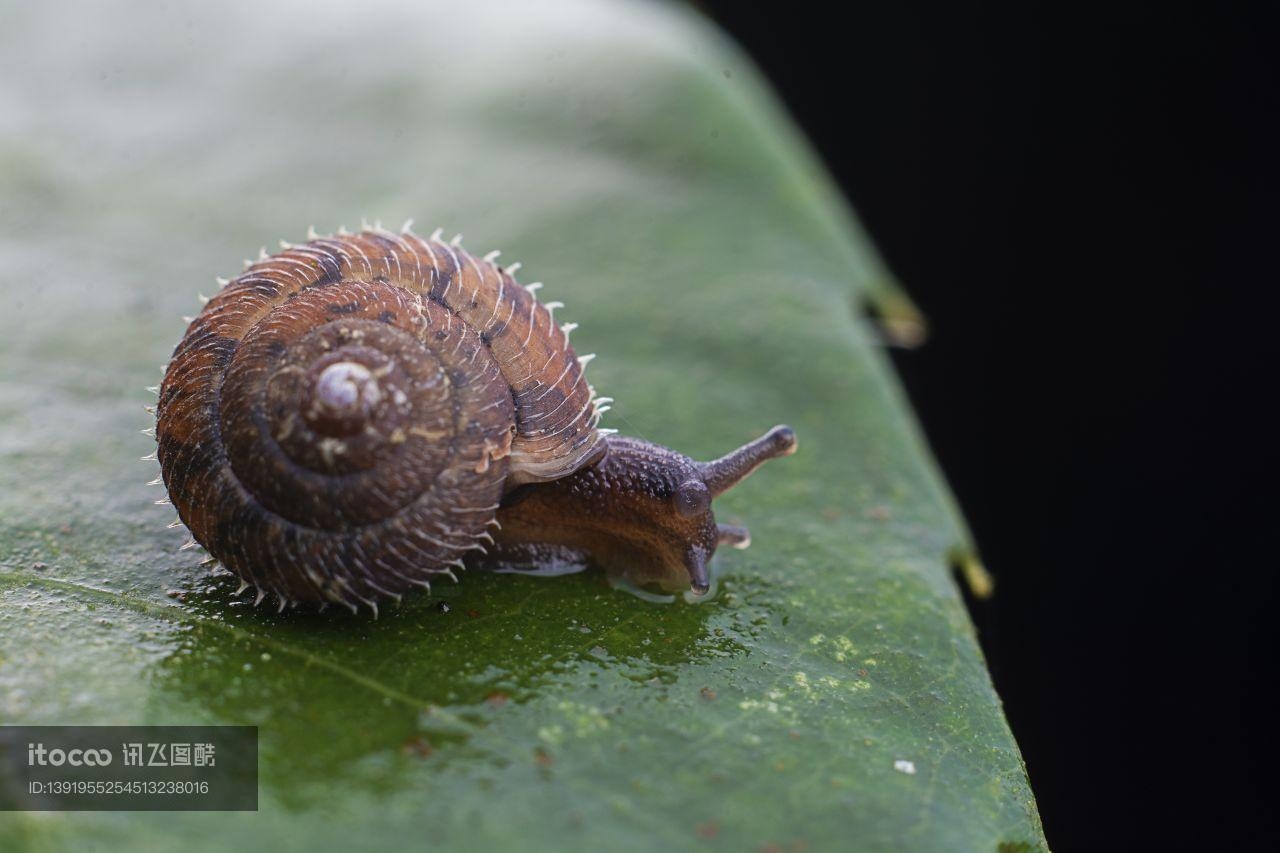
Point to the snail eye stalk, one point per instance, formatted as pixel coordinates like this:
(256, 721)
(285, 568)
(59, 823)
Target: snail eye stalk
(728, 471)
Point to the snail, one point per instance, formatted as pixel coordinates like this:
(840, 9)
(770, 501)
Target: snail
(360, 414)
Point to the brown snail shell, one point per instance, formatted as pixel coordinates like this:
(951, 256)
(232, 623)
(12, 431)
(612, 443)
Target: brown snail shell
(345, 420)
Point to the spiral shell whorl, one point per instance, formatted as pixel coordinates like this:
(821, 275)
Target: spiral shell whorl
(341, 421)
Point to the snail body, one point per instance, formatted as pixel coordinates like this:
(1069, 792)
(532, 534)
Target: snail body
(358, 415)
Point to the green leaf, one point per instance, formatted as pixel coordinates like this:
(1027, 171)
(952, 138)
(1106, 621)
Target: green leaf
(632, 160)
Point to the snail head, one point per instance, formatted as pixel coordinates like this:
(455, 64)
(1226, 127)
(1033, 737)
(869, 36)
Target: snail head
(644, 512)
(692, 498)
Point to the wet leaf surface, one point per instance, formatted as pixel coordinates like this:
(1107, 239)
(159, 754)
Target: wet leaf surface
(830, 695)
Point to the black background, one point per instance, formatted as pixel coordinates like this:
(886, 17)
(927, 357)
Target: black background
(1083, 203)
